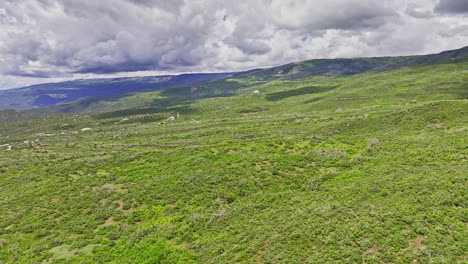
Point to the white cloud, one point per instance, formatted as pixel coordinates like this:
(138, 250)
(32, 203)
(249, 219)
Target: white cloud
(43, 39)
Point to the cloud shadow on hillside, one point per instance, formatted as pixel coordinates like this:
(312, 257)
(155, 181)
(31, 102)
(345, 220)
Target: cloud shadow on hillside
(178, 99)
(296, 92)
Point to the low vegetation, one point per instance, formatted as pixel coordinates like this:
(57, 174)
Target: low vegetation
(279, 176)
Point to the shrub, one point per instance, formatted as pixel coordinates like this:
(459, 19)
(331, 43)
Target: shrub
(231, 197)
(330, 153)
(218, 215)
(372, 144)
(358, 159)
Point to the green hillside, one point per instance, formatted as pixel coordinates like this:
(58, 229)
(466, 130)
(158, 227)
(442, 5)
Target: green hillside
(262, 167)
(447, 80)
(51, 94)
(167, 91)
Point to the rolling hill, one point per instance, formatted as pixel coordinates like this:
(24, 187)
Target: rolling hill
(85, 95)
(48, 94)
(324, 161)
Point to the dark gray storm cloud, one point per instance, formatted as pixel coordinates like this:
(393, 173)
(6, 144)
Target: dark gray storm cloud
(69, 38)
(452, 6)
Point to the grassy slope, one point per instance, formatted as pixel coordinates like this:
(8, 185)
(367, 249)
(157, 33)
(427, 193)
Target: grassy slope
(50, 94)
(369, 168)
(304, 72)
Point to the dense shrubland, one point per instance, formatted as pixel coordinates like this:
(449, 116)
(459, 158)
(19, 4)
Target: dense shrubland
(279, 176)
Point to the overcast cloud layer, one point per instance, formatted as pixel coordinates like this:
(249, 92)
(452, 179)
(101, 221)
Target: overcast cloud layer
(51, 40)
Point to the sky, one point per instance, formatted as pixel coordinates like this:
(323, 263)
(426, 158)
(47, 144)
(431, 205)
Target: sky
(54, 40)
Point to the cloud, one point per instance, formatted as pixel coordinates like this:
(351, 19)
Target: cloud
(331, 14)
(68, 38)
(417, 11)
(452, 6)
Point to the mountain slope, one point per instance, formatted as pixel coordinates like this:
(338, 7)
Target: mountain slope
(445, 79)
(361, 168)
(95, 91)
(381, 184)
(354, 66)
(48, 94)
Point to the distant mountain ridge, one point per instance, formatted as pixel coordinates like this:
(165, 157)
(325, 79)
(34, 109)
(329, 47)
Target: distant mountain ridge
(54, 94)
(49, 94)
(353, 66)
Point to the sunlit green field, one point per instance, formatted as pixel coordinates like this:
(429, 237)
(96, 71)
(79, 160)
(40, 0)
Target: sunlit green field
(370, 168)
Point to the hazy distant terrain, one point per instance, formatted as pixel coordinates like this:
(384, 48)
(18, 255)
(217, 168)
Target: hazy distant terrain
(89, 92)
(58, 93)
(323, 161)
